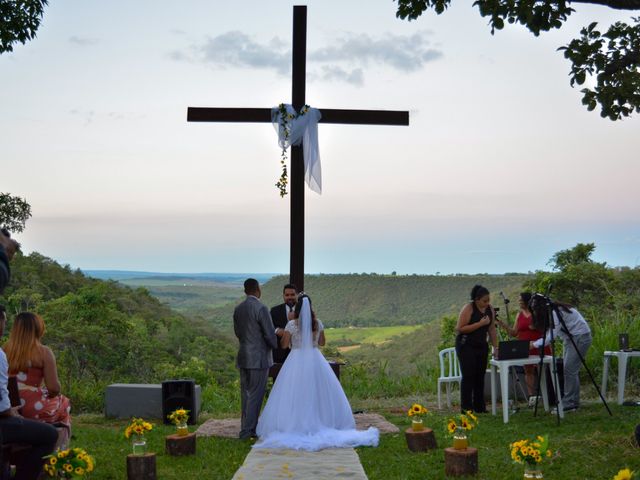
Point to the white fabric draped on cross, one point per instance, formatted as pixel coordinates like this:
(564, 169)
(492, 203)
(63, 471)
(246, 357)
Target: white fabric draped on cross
(301, 128)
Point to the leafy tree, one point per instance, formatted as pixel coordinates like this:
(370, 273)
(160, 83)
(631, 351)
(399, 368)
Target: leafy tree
(14, 211)
(578, 279)
(611, 58)
(581, 253)
(19, 20)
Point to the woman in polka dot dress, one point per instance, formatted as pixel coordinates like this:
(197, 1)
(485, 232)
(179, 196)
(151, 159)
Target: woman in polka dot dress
(34, 366)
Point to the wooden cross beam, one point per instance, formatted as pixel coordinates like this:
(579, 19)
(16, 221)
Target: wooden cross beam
(263, 115)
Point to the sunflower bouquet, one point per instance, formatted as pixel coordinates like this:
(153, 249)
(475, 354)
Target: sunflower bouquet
(69, 463)
(459, 426)
(416, 413)
(179, 416)
(138, 426)
(531, 452)
(465, 421)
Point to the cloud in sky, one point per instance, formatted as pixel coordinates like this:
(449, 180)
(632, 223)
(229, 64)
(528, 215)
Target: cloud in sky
(407, 53)
(83, 41)
(341, 60)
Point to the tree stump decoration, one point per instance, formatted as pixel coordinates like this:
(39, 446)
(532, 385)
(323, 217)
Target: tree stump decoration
(460, 462)
(141, 467)
(420, 441)
(178, 445)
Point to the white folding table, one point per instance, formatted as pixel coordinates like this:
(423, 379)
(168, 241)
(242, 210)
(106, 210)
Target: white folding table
(623, 358)
(503, 367)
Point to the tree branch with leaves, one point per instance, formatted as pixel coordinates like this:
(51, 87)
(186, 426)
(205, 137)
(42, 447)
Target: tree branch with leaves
(609, 60)
(19, 20)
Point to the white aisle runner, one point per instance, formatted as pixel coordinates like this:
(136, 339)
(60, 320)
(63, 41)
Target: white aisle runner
(330, 463)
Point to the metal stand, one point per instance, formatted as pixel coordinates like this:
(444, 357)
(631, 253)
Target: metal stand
(538, 301)
(515, 378)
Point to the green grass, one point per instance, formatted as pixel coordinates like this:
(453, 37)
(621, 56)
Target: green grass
(216, 458)
(590, 445)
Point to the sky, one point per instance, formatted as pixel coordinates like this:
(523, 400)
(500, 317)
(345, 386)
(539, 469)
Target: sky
(500, 167)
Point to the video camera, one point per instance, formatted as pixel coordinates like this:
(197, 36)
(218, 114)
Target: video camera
(541, 308)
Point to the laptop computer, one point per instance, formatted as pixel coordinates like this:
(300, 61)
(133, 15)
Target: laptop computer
(513, 349)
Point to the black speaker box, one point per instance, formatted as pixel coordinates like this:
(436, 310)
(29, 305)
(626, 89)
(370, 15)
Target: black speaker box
(179, 394)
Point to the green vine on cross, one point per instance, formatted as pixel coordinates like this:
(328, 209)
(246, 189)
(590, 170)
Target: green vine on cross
(285, 120)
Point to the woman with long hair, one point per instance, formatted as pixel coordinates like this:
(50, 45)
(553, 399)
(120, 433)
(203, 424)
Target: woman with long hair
(475, 322)
(567, 324)
(34, 366)
(523, 329)
(307, 408)
(40, 437)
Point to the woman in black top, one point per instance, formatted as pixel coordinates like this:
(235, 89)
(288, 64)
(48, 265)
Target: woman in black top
(475, 321)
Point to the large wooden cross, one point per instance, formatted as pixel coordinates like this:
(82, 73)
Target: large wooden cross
(248, 115)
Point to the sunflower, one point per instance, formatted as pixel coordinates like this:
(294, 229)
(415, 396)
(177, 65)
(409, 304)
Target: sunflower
(624, 474)
(451, 426)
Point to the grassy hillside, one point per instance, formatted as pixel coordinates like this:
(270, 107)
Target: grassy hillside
(349, 337)
(103, 332)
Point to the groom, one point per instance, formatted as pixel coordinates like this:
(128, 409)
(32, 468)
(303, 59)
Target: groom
(280, 316)
(252, 325)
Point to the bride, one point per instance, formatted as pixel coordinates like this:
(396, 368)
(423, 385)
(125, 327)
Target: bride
(307, 408)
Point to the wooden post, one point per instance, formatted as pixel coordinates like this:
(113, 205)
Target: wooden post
(178, 445)
(420, 441)
(141, 467)
(460, 462)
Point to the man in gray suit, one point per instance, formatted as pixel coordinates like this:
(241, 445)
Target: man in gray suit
(254, 329)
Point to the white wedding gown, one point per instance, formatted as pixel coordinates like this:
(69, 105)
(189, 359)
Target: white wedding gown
(307, 408)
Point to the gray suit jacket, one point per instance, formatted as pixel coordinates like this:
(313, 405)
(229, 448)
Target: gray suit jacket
(253, 327)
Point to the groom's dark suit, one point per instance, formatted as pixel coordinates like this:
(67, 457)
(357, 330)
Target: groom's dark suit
(279, 319)
(252, 325)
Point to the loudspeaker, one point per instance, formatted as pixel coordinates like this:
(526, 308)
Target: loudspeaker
(179, 394)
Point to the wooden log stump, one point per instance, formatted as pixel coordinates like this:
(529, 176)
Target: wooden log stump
(420, 441)
(178, 445)
(141, 467)
(460, 462)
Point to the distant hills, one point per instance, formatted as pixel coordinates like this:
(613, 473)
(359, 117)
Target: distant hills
(232, 278)
(339, 299)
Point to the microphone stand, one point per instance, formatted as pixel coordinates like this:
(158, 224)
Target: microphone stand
(515, 378)
(548, 327)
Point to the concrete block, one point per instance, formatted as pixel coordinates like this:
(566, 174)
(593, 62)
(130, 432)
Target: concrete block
(126, 400)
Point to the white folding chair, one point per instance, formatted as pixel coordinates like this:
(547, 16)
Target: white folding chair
(449, 372)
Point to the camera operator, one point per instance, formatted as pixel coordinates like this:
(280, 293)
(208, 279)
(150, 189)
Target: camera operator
(568, 324)
(8, 248)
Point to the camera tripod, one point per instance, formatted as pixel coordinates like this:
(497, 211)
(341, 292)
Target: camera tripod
(543, 309)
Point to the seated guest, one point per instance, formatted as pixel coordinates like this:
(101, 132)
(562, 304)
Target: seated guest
(16, 429)
(34, 366)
